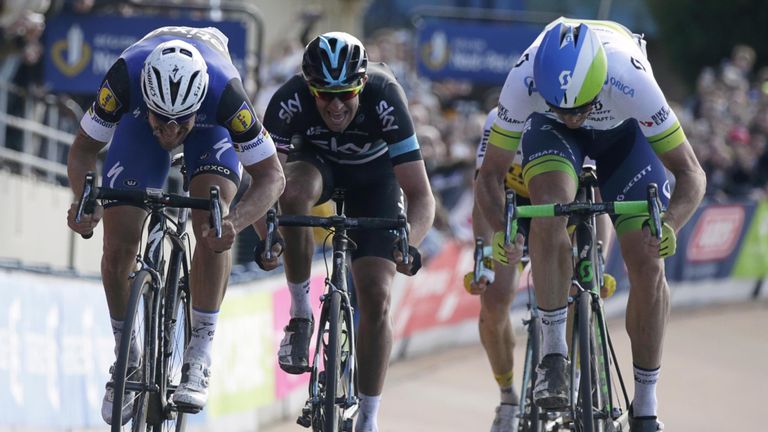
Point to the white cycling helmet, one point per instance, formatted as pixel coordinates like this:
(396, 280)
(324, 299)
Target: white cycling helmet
(174, 79)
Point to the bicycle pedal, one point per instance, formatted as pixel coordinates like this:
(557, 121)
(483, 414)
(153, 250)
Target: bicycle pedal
(188, 409)
(304, 421)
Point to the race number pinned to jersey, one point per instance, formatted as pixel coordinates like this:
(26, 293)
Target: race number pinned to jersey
(243, 120)
(107, 99)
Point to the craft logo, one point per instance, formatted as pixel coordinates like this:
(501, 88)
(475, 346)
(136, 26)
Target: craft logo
(72, 54)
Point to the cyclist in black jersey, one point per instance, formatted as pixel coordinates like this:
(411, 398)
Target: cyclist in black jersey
(176, 86)
(344, 122)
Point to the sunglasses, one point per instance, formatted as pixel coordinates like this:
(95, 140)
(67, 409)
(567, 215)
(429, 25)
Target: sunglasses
(329, 94)
(179, 120)
(575, 111)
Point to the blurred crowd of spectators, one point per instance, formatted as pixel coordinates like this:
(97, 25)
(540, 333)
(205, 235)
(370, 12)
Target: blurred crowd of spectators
(727, 125)
(726, 120)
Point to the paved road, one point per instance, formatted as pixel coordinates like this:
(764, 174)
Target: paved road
(714, 378)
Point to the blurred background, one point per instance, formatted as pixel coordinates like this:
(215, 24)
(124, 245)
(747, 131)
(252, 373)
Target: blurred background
(451, 56)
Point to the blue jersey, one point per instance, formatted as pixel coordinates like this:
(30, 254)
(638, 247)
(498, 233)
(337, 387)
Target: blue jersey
(226, 103)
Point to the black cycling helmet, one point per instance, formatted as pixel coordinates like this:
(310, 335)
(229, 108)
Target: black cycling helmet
(334, 59)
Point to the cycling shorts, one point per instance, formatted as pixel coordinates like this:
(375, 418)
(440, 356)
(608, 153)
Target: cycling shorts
(370, 190)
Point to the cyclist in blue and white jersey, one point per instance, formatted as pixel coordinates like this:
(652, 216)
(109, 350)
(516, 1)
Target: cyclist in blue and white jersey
(176, 86)
(586, 88)
(344, 123)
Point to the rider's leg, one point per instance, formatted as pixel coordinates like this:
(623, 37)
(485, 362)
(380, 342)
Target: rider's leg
(496, 329)
(551, 265)
(373, 280)
(304, 186)
(648, 310)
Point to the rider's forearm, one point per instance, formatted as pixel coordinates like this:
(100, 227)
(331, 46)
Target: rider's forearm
(421, 214)
(489, 196)
(82, 158)
(689, 190)
(266, 187)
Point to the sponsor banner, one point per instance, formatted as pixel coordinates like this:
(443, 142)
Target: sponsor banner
(80, 49)
(752, 261)
(243, 369)
(476, 51)
(56, 346)
(436, 295)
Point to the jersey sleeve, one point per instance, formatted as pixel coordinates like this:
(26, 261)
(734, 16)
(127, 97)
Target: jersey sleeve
(396, 124)
(515, 104)
(483, 144)
(250, 139)
(112, 101)
(284, 114)
(646, 104)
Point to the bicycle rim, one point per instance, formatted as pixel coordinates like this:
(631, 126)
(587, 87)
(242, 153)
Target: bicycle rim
(530, 420)
(137, 323)
(178, 332)
(331, 410)
(584, 415)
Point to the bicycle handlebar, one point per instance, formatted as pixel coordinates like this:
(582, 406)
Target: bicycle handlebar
(651, 206)
(148, 196)
(274, 220)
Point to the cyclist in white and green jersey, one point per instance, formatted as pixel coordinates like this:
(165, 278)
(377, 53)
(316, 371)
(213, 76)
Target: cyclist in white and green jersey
(586, 89)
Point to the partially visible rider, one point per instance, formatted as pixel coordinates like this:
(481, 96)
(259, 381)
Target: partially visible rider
(344, 123)
(586, 88)
(175, 87)
(496, 288)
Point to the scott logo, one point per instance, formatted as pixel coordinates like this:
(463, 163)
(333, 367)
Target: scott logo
(716, 234)
(565, 79)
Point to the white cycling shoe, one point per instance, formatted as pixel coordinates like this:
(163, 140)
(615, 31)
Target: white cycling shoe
(109, 397)
(506, 419)
(192, 393)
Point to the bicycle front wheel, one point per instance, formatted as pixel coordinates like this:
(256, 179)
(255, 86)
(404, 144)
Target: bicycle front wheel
(584, 418)
(530, 413)
(130, 378)
(177, 332)
(330, 408)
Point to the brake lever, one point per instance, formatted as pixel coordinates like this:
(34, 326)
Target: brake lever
(509, 215)
(404, 249)
(215, 210)
(271, 225)
(86, 203)
(478, 259)
(654, 209)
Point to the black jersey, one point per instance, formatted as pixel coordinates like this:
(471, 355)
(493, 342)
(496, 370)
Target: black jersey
(382, 126)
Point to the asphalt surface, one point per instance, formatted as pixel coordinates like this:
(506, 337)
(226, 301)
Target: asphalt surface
(714, 378)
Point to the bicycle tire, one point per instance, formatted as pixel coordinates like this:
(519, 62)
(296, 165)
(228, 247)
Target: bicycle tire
(530, 414)
(331, 409)
(178, 332)
(585, 416)
(137, 322)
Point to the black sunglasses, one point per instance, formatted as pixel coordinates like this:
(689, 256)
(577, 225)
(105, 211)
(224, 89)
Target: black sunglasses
(179, 120)
(579, 110)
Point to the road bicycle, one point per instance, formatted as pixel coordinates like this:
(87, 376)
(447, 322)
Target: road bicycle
(159, 306)
(333, 402)
(595, 404)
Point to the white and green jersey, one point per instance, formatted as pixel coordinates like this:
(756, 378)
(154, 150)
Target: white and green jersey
(630, 91)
